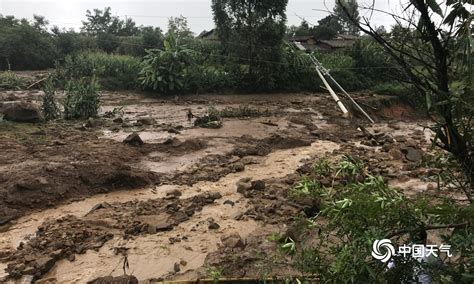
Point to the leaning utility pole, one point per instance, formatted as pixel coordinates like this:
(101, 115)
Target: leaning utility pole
(323, 72)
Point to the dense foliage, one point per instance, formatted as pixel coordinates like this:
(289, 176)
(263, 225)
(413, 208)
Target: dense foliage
(112, 71)
(335, 244)
(252, 32)
(251, 55)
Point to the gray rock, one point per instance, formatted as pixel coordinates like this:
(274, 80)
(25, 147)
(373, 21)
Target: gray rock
(133, 139)
(413, 154)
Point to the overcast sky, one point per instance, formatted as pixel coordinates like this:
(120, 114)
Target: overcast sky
(70, 13)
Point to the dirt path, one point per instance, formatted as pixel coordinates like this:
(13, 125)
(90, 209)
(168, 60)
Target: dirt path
(77, 200)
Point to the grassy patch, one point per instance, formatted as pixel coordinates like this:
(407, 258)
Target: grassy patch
(11, 81)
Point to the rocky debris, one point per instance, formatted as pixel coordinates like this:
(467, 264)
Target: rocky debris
(146, 121)
(395, 153)
(99, 206)
(133, 139)
(156, 223)
(213, 226)
(243, 185)
(257, 185)
(23, 112)
(67, 236)
(173, 131)
(377, 138)
(126, 279)
(118, 120)
(174, 193)
(93, 122)
(55, 240)
(177, 267)
(238, 167)
(233, 241)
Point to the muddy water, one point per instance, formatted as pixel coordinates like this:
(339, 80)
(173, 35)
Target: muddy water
(152, 256)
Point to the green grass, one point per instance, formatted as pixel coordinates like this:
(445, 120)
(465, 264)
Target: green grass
(11, 81)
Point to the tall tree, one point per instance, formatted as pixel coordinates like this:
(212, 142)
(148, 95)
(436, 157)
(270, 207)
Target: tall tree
(345, 10)
(252, 30)
(179, 27)
(102, 21)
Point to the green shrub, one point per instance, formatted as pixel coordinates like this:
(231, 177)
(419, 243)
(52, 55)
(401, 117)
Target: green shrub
(297, 72)
(11, 81)
(404, 92)
(167, 70)
(82, 99)
(49, 105)
(112, 71)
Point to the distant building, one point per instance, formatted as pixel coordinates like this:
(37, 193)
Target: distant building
(339, 42)
(308, 41)
(209, 35)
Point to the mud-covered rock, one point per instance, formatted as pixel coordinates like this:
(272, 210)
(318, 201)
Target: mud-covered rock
(133, 139)
(23, 112)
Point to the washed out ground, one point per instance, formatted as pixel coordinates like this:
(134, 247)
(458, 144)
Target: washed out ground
(76, 203)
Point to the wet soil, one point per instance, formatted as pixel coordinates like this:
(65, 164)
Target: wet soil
(77, 204)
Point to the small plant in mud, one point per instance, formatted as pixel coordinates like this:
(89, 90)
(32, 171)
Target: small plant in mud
(211, 119)
(115, 112)
(307, 186)
(322, 167)
(82, 99)
(350, 168)
(49, 104)
(214, 273)
(336, 244)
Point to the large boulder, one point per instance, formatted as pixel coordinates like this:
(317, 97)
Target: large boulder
(22, 112)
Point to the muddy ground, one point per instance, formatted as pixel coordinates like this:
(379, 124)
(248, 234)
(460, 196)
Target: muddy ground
(76, 203)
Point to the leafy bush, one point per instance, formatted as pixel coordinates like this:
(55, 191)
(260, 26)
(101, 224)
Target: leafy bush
(49, 105)
(113, 71)
(82, 99)
(11, 81)
(335, 245)
(166, 70)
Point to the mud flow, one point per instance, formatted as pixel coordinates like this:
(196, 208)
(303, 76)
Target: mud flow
(144, 191)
